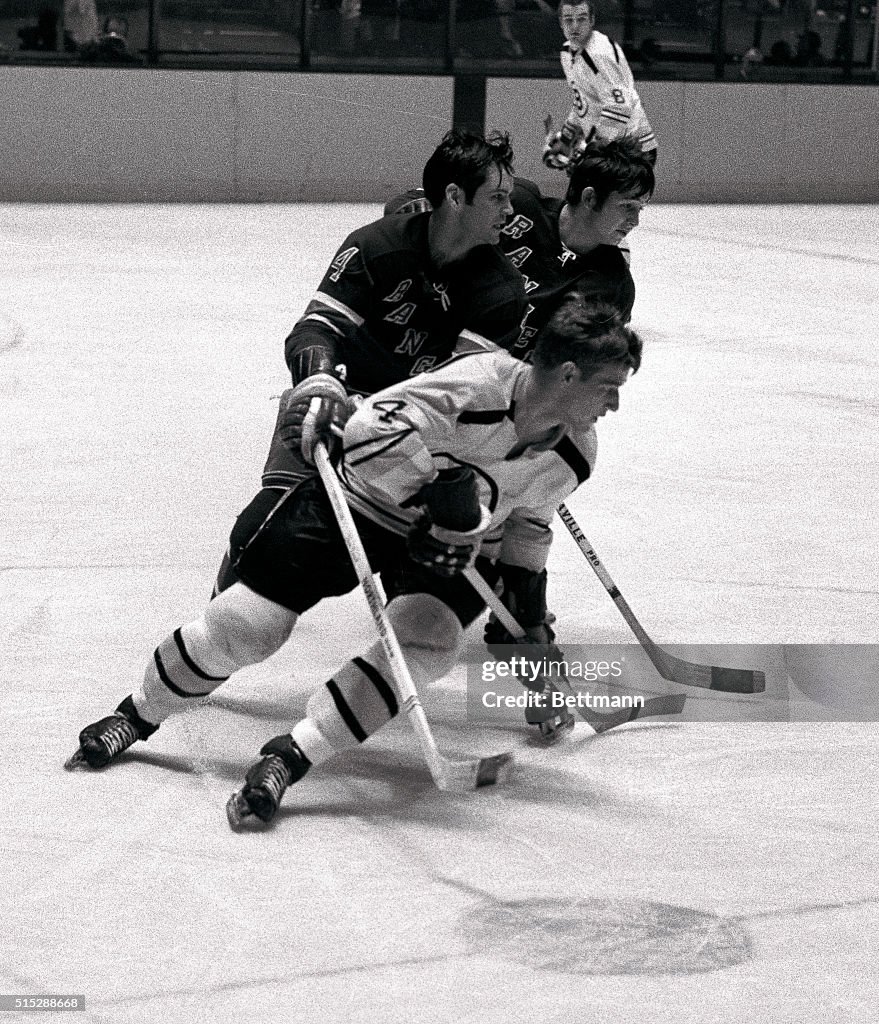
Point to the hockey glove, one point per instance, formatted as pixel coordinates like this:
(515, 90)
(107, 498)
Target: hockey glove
(524, 595)
(317, 409)
(564, 146)
(413, 201)
(446, 536)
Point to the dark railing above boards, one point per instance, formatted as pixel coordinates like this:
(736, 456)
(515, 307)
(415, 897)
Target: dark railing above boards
(753, 40)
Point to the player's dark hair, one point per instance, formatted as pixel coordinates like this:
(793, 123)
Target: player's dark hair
(589, 334)
(464, 158)
(575, 3)
(616, 165)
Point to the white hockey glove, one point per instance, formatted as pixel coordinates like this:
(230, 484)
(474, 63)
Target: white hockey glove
(317, 409)
(447, 535)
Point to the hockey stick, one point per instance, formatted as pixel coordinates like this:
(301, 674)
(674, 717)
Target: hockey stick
(459, 776)
(677, 670)
(668, 704)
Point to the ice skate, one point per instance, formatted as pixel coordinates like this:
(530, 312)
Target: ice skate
(283, 763)
(553, 724)
(103, 741)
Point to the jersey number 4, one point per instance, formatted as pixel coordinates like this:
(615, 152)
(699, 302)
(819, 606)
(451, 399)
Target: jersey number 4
(389, 409)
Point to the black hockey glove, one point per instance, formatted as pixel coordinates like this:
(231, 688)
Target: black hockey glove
(446, 536)
(524, 595)
(317, 409)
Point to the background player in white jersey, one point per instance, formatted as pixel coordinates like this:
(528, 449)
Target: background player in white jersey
(469, 460)
(606, 103)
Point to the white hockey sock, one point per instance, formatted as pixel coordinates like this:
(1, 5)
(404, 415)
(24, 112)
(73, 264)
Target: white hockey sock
(312, 742)
(361, 698)
(238, 628)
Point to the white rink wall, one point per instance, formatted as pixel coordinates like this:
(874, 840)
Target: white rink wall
(105, 134)
(727, 142)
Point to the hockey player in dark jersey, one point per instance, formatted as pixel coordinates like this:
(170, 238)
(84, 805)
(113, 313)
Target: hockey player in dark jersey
(395, 301)
(464, 464)
(560, 245)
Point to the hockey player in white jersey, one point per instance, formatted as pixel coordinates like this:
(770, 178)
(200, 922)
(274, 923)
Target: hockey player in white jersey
(464, 464)
(606, 103)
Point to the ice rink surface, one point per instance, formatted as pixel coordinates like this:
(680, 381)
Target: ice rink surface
(701, 872)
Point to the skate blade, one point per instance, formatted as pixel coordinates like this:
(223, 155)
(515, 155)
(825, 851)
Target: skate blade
(76, 760)
(237, 810)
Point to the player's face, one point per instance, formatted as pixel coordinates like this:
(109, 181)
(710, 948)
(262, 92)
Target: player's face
(608, 224)
(484, 217)
(582, 402)
(577, 21)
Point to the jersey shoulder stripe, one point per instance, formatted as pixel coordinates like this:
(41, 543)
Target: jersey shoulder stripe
(377, 447)
(484, 415)
(574, 458)
(339, 307)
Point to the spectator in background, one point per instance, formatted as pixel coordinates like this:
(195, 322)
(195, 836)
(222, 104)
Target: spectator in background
(367, 22)
(112, 45)
(80, 23)
(809, 53)
(752, 58)
(606, 103)
(780, 53)
(504, 9)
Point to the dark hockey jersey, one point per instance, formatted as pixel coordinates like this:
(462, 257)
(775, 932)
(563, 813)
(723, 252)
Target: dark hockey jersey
(531, 242)
(387, 312)
(390, 313)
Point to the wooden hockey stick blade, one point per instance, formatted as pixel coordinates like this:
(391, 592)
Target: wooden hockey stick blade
(465, 776)
(676, 670)
(600, 721)
(457, 776)
(691, 673)
(668, 704)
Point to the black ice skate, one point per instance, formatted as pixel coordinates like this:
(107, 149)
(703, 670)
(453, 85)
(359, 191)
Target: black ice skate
(553, 724)
(102, 742)
(266, 782)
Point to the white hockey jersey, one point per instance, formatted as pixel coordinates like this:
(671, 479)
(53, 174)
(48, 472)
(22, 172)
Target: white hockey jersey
(463, 413)
(606, 102)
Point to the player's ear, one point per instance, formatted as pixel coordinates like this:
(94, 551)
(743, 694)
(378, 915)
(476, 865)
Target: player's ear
(589, 198)
(454, 194)
(570, 371)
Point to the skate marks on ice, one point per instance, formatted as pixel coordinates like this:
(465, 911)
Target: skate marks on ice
(11, 333)
(597, 935)
(623, 936)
